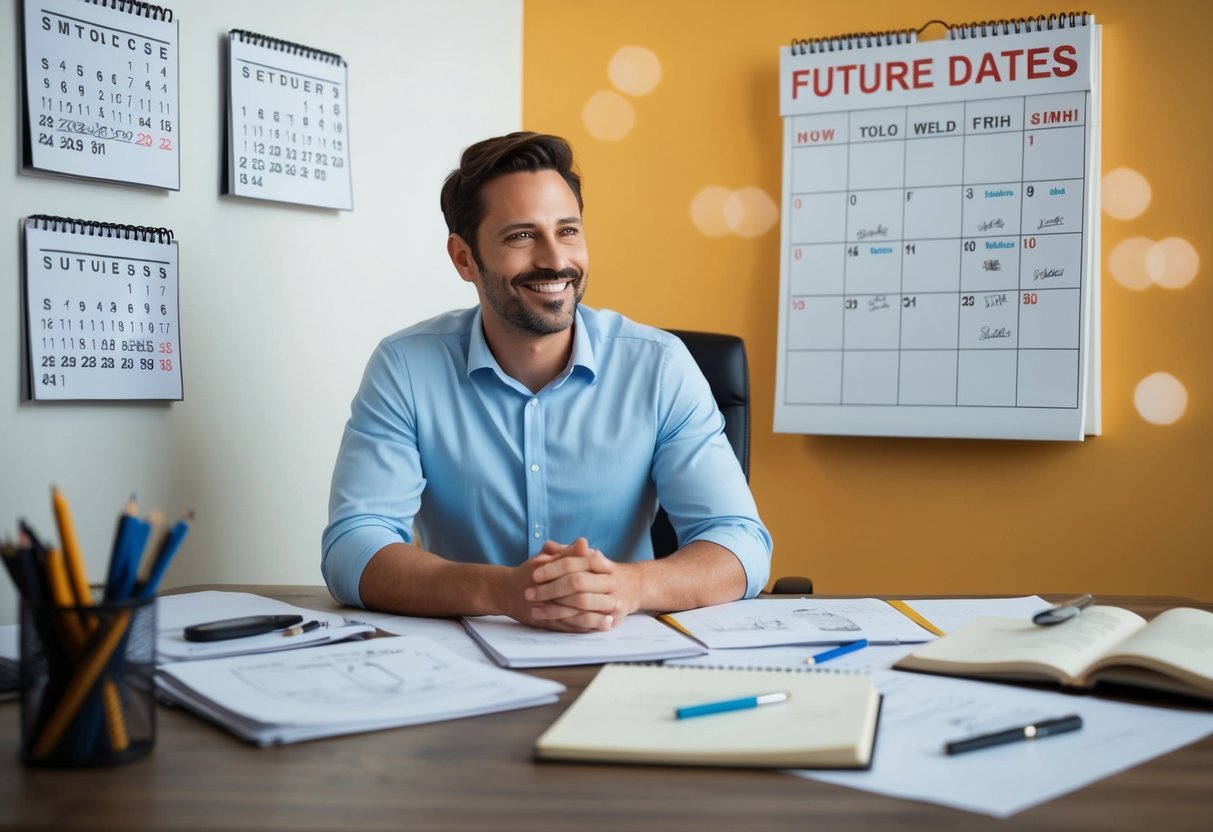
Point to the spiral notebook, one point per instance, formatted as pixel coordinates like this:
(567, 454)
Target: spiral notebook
(626, 715)
(101, 312)
(288, 137)
(939, 261)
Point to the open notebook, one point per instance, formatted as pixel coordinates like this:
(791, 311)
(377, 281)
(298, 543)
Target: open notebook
(626, 715)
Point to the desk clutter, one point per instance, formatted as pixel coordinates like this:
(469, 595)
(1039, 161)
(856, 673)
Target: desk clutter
(294, 684)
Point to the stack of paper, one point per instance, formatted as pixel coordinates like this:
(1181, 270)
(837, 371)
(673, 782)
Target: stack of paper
(176, 612)
(346, 688)
(639, 638)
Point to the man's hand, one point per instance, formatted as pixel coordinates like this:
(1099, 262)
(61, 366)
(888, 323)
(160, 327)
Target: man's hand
(578, 589)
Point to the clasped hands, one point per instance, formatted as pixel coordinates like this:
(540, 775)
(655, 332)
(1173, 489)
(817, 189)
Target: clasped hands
(575, 589)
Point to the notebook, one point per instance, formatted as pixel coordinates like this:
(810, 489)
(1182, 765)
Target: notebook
(626, 715)
(638, 638)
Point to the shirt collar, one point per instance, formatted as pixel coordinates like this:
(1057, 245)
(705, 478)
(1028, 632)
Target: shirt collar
(480, 357)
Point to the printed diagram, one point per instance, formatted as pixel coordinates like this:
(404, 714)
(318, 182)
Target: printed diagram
(811, 617)
(337, 681)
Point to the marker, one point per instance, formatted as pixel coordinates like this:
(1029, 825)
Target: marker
(1037, 731)
(302, 628)
(850, 647)
(741, 704)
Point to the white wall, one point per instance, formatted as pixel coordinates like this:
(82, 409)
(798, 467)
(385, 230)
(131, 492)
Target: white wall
(280, 305)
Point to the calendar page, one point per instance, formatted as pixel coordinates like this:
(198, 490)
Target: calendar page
(101, 311)
(101, 93)
(288, 127)
(938, 266)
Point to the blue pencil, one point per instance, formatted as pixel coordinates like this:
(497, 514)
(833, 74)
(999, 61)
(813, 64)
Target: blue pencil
(834, 653)
(169, 548)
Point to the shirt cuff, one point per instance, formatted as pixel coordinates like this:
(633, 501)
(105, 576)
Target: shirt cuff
(752, 547)
(347, 557)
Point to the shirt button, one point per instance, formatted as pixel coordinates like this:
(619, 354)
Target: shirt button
(537, 535)
(534, 402)
(534, 467)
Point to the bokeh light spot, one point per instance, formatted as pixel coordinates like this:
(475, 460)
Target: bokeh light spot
(1127, 263)
(1172, 263)
(1124, 194)
(1160, 398)
(608, 116)
(708, 211)
(750, 212)
(634, 70)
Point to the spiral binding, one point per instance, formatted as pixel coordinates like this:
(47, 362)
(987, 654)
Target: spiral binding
(963, 31)
(93, 228)
(838, 671)
(137, 8)
(1018, 25)
(287, 46)
(855, 40)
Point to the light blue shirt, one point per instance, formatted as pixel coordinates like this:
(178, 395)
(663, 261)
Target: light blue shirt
(441, 439)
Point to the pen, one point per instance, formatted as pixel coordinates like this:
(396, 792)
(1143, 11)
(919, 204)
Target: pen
(1063, 611)
(741, 704)
(825, 656)
(302, 628)
(1039, 730)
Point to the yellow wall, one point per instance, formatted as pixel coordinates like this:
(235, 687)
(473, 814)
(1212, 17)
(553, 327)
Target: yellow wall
(1128, 511)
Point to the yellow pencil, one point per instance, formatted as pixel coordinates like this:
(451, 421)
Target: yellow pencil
(86, 675)
(71, 549)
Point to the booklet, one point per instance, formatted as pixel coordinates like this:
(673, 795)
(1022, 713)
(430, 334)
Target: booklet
(768, 622)
(1174, 652)
(639, 638)
(627, 715)
(346, 688)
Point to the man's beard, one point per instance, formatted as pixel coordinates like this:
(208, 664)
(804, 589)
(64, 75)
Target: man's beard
(510, 307)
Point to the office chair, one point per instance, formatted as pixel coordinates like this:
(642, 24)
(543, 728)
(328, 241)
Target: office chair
(723, 362)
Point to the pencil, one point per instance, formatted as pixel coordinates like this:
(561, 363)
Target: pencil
(81, 683)
(168, 548)
(71, 548)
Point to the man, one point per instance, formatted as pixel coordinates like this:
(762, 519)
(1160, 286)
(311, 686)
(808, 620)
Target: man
(529, 439)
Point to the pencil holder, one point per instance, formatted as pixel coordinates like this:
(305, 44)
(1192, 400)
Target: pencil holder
(87, 682)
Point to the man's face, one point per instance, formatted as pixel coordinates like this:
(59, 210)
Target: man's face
(533, 261)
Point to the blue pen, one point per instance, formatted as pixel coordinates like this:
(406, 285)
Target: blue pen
(850, 647)
(741, 704)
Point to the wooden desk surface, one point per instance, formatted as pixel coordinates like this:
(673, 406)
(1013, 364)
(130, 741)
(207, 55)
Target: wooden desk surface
(478, 774)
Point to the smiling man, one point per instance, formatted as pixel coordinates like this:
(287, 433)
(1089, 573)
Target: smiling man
(509, 458)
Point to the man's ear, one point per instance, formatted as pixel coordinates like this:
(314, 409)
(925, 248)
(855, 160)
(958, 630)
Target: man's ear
(461, 255)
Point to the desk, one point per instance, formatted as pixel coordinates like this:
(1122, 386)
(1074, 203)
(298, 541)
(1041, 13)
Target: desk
(478, 774)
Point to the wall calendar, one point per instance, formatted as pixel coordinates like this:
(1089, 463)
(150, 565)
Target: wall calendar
(101, 92)
(939, 271)
(101, 312)
(288, 135)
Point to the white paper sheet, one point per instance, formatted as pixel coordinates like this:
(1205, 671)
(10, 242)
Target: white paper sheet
(921, 713)
(950, 614)
(448, 632)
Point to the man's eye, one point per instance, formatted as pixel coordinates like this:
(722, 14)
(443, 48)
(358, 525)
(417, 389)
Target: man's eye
(520, 235)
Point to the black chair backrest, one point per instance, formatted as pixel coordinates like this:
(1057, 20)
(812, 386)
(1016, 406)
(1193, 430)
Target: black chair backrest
(723, 362)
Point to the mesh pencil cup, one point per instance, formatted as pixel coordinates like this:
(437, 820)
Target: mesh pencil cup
(87, 682)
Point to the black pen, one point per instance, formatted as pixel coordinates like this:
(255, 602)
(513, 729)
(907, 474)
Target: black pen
(1039, 730)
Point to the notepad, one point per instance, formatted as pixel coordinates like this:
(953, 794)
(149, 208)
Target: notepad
(638, 638)
(626, 715)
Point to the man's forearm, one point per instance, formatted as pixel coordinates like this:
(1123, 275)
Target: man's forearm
(408, 580)
(697, 575)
